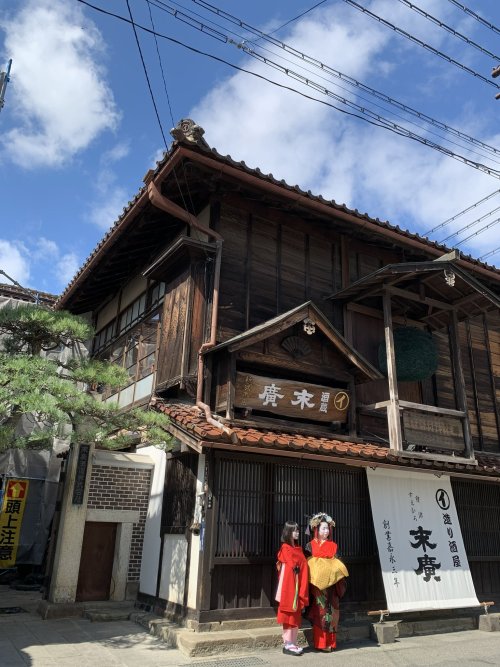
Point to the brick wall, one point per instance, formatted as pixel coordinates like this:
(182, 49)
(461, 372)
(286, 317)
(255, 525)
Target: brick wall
(123, 489)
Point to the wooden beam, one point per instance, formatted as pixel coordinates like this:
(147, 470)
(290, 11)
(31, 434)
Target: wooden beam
(373, 312)
(460, 382)
(432, 408)
(474, 383)
(393, 417)
(411, 296)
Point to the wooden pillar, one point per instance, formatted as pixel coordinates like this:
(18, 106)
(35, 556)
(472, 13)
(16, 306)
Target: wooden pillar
(231, 384)
(209, 536)
(459, 382)
(393, 416)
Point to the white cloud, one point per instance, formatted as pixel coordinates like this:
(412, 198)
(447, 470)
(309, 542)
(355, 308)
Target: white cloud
(341, 157)
(116, 153)
(14, 262)
(68, 265)
(58, 90)
(46, 249)
(38, 263)
(107, 209)
(111, 198)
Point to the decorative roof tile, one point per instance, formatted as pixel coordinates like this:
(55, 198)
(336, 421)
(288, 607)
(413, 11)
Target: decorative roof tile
(191, 419)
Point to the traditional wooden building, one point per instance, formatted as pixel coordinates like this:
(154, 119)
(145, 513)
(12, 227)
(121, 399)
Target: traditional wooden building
(293, 342)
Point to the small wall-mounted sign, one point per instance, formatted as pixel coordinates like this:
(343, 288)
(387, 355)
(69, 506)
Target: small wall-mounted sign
(291, 398)
(81, 474)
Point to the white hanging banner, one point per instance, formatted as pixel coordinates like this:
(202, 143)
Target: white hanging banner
(422, 554)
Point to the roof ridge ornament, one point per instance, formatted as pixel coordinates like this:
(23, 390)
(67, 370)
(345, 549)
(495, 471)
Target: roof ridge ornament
(187, 131)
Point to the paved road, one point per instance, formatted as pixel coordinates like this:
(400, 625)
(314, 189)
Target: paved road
(25, 639)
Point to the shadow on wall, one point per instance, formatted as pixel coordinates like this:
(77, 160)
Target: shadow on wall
(173, 576)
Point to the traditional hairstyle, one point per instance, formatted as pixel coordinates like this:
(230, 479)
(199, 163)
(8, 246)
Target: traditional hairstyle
(287, 534)
(318, 518)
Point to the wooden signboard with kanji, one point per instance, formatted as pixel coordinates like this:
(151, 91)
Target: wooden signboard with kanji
(434, 431)
(291, 398)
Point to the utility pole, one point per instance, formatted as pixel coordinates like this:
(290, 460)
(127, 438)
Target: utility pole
(4, 80)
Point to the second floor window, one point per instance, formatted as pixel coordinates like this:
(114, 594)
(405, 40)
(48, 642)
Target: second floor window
(136, 351)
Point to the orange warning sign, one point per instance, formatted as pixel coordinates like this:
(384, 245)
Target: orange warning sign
(11, 519)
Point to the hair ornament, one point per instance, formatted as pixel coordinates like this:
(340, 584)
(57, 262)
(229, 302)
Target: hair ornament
(319, 518)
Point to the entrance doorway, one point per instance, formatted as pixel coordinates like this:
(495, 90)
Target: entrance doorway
(96, 564)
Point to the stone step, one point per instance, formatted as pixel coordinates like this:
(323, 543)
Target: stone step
(242, 637)
(108, 614)
(436, 626)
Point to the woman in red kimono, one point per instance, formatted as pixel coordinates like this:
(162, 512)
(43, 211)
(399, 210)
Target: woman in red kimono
(292, 593)
(325, 595)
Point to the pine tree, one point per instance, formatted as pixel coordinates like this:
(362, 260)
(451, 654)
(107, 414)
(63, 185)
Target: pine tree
(46, 376)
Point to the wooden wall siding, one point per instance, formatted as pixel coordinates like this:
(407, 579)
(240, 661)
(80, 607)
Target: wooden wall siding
(255, 498)
(202, 277)
(364, 259)
(272, 264)
(293, 282)
(367, 335)
(175, 308)
(179, 493)
(263, 270)
(478, 381)
(445, 389)
(232, 296)
(241, 586)
(478, 507)
(492, 324)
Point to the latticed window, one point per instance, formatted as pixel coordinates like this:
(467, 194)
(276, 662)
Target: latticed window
(179, 493)
(255, 498)
(478, 508)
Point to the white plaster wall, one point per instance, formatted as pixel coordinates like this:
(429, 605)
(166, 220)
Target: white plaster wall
(194, 561)
(105, 316)
(173, 570)
(131, 291)
(152, 541)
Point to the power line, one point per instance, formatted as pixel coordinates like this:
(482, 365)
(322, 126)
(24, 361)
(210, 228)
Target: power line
(295, 18)
(486, 148)
(424, 45)
(366, 115)
(291, 73)
(172, 118)
(146, 74)
(161, 64)
(458, 215)
(154, 101)
(337, 74)
(244, 46)
(475, 16)
(448, 28)
(489, 254)
(479, 231)
(470, 224)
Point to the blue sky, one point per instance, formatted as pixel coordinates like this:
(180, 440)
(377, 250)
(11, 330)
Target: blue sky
(78, 130)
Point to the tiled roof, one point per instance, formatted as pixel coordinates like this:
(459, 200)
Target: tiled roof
(190, 419)
(26, 294)
(268, 178)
